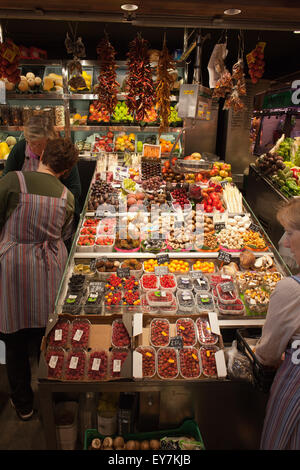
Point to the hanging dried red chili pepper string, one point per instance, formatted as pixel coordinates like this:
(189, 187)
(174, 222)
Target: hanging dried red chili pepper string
(164, 85)
(108, 86)
(140, 87)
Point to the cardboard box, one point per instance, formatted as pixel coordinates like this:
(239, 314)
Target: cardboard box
(138, 327)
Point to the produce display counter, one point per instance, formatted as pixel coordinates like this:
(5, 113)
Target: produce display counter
(264, 198)
(128, 319)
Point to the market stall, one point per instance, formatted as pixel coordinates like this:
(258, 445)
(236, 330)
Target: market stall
(169, 260)
(143, 308)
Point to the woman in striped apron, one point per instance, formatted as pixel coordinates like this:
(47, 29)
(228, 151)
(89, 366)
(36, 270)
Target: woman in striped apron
(25, 156)
(279, 346)
(32, 260)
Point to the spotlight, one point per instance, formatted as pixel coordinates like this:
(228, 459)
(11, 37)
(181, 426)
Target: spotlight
(232, 11)
(129, 7)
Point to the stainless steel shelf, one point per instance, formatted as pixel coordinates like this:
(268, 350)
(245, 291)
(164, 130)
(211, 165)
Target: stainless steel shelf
(35, 96)
(123, 128)
(21, 128)
(175, 255)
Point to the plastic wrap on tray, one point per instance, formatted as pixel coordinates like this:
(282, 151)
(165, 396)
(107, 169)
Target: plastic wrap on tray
(227, 293)
(116, 361)
(236, 308)
(97, 368)
(201, 284)
(75, 365)
(86, 243)
(149, 282)
(84, 269)
(120, 337)
(160, 298)
(148, 360)
(248, 279)
(205, 302)
(170, 310)
(80, 332)
(168, 282)
(167, 363)
(159, 332)
(104, 243)
(145, 307)
(113, 301)
(270, 279)
(257, 300)
(205, 335)
(59, 335)
(208, 360)
(93, 302)
(55, 359)
(75, 295)
(189, 361)
(185, 327)
(185, 300)
(184, 282)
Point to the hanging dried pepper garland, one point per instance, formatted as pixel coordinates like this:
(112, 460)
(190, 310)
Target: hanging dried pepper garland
(234, 101)
(9, 61)
(164, 85)
(224, 85)
(141, 92)
(108, 86)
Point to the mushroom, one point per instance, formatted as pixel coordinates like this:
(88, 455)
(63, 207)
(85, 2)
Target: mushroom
(107, 443)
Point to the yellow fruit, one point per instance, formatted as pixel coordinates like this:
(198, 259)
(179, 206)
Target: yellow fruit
(4, 149)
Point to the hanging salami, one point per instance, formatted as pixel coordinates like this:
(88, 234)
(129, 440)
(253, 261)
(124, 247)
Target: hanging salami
(107, 87)
(140, 87)
(164, 85)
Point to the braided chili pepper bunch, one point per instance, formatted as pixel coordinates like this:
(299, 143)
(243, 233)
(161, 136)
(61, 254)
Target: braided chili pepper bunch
(164, 85)
(108, 86)
(141, 91)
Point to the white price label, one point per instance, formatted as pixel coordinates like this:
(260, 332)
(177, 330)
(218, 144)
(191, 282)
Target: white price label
(78, 335)
(117, 365)
(2, 92)
(73, 362)
(58, 335)
(96, 363)
(53, 362)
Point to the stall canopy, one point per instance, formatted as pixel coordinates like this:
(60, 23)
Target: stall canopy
(262, 14)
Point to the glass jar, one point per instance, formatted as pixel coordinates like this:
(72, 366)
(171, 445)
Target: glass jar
(16, 116)
(5, 115)
(27, 112)
(59, 116)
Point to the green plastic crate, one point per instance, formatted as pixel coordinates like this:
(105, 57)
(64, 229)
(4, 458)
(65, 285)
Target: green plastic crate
(188, 428)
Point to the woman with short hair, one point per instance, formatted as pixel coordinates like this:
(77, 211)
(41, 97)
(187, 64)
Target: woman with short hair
(36, 216)
(25, 154)
(281, 336)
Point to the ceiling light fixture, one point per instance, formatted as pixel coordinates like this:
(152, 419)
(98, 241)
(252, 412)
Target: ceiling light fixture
(232, 11)
(129, 7)
(297, 32)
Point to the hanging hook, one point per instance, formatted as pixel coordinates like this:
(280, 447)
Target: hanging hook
(241, 45)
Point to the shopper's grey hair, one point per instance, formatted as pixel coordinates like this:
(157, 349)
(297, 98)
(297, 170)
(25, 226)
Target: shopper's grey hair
(289, 214)
(39, 127)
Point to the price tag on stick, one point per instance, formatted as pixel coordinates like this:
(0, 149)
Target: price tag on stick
(224, 256)
(123, 272)
(176, 342)
(161, 259)
(254, 227)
